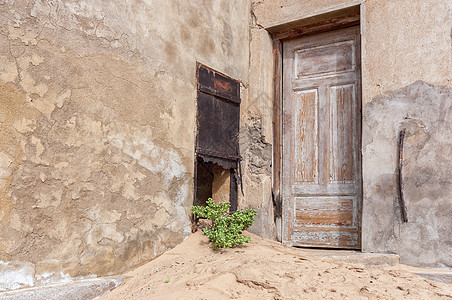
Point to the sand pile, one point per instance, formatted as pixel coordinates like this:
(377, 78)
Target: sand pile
(264, 269)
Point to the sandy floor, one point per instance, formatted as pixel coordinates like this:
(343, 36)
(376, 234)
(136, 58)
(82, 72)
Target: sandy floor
(265, 269)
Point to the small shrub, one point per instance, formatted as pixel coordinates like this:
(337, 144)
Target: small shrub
(226, 230)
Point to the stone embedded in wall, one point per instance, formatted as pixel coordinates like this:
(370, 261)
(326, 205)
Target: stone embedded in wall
(426, 113)
(256, 151)
(256, 154)
(257, 182)
(257, 132)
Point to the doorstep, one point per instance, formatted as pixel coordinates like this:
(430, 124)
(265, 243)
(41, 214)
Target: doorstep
(377, 260)
(373, 260)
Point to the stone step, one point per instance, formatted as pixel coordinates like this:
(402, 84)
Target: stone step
(436, 275)
(75, 290)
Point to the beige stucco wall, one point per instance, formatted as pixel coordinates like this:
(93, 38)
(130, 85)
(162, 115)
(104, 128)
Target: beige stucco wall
(406, 75)
(97, 124)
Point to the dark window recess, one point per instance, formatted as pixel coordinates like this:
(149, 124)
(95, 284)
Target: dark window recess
(218, 121)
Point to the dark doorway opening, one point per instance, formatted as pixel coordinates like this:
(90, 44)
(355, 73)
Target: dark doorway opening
(214, 181)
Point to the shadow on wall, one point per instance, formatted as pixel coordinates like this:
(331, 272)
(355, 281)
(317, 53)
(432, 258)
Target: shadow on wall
(426, 113)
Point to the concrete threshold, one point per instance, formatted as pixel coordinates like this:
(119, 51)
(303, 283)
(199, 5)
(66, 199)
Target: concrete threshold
(372, 260)
(75, 290)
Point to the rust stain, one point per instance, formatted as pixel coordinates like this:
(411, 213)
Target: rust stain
(223, 85)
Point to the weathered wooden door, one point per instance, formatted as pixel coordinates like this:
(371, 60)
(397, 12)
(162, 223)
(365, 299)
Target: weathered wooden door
(322, 140)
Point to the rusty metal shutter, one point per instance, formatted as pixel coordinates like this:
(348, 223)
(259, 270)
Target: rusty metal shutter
(218, 122)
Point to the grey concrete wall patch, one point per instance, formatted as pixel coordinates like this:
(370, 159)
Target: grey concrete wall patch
(426, 113)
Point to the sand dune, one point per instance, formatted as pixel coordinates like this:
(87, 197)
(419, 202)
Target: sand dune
(265, 269)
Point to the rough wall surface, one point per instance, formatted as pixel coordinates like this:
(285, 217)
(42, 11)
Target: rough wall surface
(97, 125)
(407, 51)
(256, 134)
(426, 113)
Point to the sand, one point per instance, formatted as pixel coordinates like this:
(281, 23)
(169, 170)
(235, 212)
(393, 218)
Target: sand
(265, 269)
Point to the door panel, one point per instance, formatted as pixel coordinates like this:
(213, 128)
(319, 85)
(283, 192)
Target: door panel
(306, 137)
(324, 211)
(321, 140)
(325, 59)
(342, 99)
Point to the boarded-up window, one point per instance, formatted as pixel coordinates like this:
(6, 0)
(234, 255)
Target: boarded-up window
(218, 120)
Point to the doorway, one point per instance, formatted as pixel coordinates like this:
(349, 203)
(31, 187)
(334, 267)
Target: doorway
(321, 178)
(217, 147)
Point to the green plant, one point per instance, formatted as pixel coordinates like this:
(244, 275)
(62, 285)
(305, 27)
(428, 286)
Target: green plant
(226, 229)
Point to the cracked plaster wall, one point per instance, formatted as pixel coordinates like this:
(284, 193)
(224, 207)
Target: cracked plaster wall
(97, 124)
(406, 72)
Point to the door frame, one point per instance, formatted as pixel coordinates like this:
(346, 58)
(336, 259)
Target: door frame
(314, 24)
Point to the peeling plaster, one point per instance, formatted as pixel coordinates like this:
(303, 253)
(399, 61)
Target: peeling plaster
(97, 125)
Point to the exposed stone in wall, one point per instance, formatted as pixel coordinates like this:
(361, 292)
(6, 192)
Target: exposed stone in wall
(257, 133)
(97, 119)
(426, 113)
(257, 183)
(256, 150)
